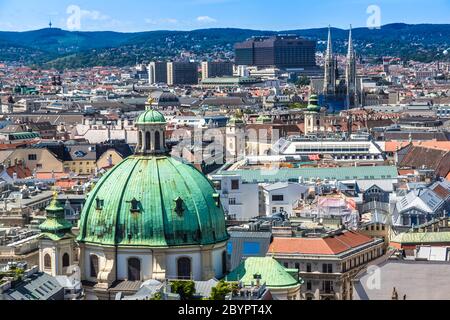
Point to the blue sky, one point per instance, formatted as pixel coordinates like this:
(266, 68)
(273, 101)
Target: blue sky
(140, 15)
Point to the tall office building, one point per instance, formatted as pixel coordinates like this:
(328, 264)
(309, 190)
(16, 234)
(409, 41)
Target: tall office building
(212, 69)
(157, 72)
(182, 73)
(329, 83)
(283, 52)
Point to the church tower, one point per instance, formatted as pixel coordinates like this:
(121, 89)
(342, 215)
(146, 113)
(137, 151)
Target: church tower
(313, 117)
(329, 85)
(56, 243)
(350, 74)
(235, 137)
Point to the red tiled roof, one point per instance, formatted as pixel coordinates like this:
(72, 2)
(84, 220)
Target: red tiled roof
(22, 172)
(405, 172)
(49, 175)
(441, 192)
(12, 146)
(394, 146)
(323, 246)
(66, 184)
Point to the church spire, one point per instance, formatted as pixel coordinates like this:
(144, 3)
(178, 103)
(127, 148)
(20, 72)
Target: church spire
(351, 51)
(329, 85)
(350, 74)
(329, 44)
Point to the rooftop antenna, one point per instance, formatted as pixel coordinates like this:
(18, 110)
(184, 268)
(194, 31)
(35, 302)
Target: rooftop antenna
(50, 24)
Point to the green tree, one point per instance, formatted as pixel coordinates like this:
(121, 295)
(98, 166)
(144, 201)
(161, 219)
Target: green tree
(186, 289)
(303, 81)
(298, 105)
(157, 296)
(222, 289)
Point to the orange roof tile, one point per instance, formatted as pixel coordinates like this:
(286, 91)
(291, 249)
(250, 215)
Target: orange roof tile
(440, 145)
(22, 172)
(323, 246)
(66, 184)
(49, 175)
(404, 172)
(393, 146)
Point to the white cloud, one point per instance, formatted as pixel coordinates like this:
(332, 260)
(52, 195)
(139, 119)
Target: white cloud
(206, 19)
(161, 21)
(94, 15)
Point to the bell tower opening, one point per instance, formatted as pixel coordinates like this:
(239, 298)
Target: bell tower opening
(152, 127)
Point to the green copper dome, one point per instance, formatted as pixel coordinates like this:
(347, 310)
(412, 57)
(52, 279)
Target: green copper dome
(153, 201)
(313, 105)
(151, 116)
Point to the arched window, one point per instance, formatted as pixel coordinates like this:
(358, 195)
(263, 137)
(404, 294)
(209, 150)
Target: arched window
(140, 139)
(94, 266)
(184, 269)
(134, 269)
(147, 141)
(157, 140)
(47, 261)
(66, 260)
(224, 263)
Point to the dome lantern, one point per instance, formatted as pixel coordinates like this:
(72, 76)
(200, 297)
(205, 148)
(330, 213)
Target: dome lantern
(152, 128)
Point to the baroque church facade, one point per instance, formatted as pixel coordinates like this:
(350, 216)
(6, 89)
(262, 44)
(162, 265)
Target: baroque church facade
(151, 217)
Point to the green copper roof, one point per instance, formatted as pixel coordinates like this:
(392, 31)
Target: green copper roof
(54, 207)
(151, 116)
(55, 225)
(422, 237)
(313, 105)
(340, 174)
(153, 201)
(24, 135)
(272, 273)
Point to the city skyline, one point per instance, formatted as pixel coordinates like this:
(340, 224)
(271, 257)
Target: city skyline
(198, 14)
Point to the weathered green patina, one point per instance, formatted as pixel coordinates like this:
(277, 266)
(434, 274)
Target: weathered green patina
(151, 116)
(55, 226)
(153, 201)
(313, 105)
(270, 271)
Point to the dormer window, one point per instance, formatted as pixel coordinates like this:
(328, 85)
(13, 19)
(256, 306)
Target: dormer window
(99, 203)
(80, 154)
(135, 206)
(216, 198)
(179, 206)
